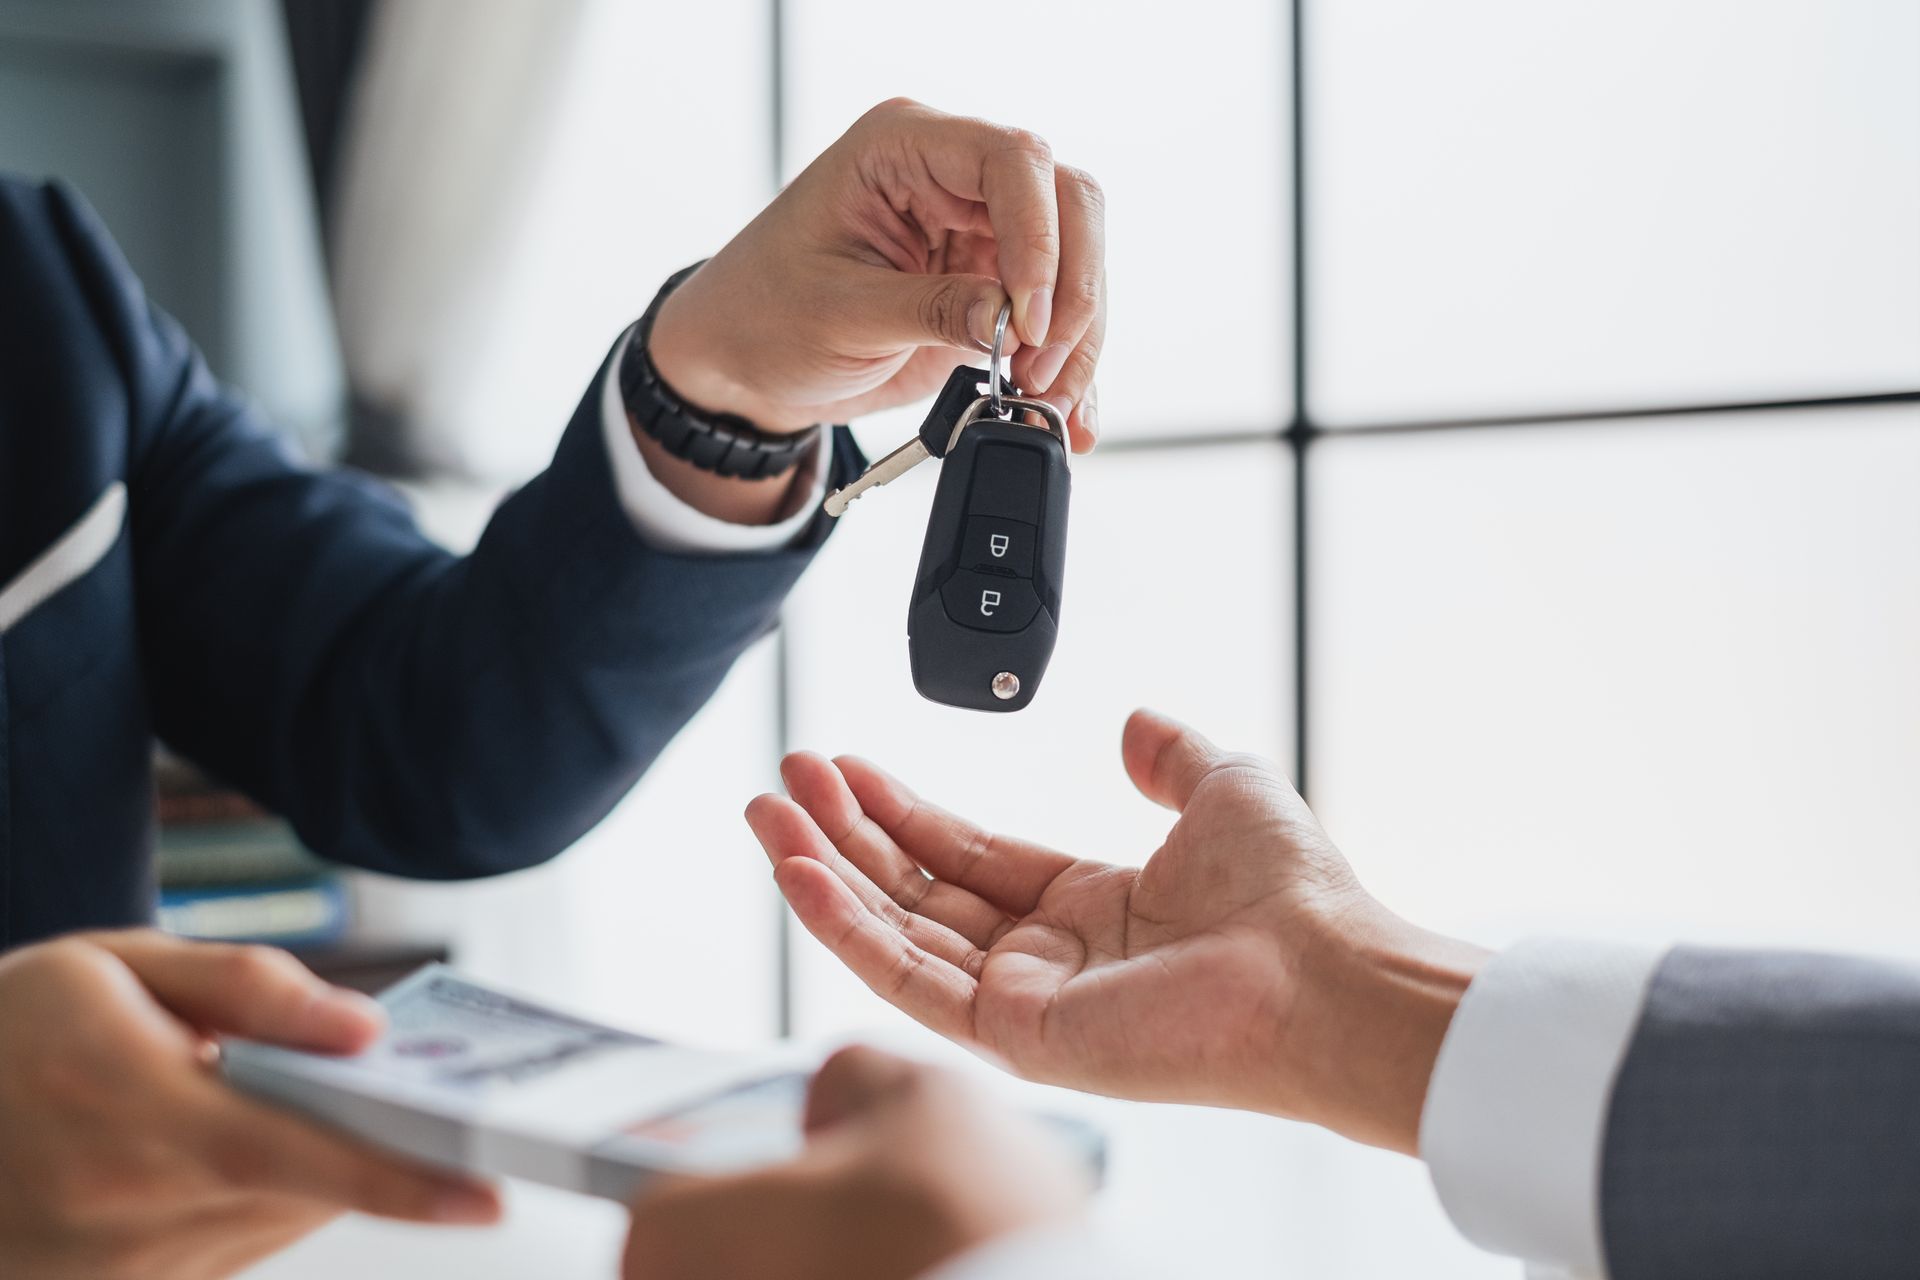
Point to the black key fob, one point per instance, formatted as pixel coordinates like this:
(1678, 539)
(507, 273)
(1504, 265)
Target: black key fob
(986, 600)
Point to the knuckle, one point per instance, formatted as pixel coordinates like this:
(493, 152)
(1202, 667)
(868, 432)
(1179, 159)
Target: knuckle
(1243, 762)
(262, 969)
(1076, 376)
(1085, 187)
(1237, 775)
(1076, 306)
(79, 1066)
(1085, 358)
(1028, 146)
(1077, 300)
(65, 960)
(887, 115)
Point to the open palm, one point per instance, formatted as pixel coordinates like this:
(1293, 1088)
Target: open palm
(1166, 981)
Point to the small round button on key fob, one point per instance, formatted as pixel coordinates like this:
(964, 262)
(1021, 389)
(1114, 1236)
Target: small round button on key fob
(986, 599)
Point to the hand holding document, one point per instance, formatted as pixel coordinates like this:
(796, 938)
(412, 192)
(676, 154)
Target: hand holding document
(477, 1079)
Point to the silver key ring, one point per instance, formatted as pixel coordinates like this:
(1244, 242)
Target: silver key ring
(994, 405)
(1052, 418)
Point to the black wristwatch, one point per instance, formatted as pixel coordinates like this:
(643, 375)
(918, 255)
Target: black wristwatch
(723, 443)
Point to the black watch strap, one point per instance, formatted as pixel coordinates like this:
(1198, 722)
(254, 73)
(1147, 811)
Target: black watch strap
(723, 443)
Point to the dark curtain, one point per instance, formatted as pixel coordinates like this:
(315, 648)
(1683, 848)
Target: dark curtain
(325, 38)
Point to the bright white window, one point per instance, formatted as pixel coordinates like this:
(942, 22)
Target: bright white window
(1182, 119)
(1522, 208)
(1649, 679)
(1657, 677)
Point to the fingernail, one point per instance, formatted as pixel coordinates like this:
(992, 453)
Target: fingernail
(980, 318)
(1047, 365)
(464, 1205)
(1039, 316)
(1090, 415)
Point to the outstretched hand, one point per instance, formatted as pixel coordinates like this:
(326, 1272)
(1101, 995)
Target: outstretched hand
(1242, 965)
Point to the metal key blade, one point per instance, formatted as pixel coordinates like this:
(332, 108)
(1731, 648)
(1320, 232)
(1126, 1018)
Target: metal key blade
(892, 467)
(948, 408)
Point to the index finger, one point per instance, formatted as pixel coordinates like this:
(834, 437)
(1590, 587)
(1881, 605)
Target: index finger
(1011, 874)
(260, 993)
(926, 988)
(1011, 172)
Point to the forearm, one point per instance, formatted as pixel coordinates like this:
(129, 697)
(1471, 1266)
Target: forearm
(483, 713)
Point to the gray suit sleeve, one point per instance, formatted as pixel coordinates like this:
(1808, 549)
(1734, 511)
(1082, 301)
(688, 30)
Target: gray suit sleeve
(1766, 1122)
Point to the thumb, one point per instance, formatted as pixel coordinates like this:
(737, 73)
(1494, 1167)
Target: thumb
(900, 309)
(257, 992)
(1166, 759)
(854, 1082)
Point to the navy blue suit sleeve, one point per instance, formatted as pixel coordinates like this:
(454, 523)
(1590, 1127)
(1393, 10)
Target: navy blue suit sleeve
(410, 711)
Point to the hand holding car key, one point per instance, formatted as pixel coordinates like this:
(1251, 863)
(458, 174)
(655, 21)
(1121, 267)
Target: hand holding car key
(986, 600)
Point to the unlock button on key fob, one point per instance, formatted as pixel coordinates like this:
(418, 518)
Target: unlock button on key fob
(989, 601)
(1002, 545)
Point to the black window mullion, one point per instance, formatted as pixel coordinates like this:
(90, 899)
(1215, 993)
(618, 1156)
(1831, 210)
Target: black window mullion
(1299, 431)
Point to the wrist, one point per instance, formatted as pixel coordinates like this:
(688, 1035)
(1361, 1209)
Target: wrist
(767, 500)
(694, 358)
(698, 446)
(1377, 996)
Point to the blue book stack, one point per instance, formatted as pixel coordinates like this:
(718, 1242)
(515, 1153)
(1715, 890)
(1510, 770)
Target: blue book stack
(231, 872)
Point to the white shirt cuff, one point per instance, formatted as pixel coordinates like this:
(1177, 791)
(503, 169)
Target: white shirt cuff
(1516, 1108)
(667, 522)
(1054, 1253)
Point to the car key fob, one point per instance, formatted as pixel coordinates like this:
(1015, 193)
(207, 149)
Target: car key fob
(986, 600)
